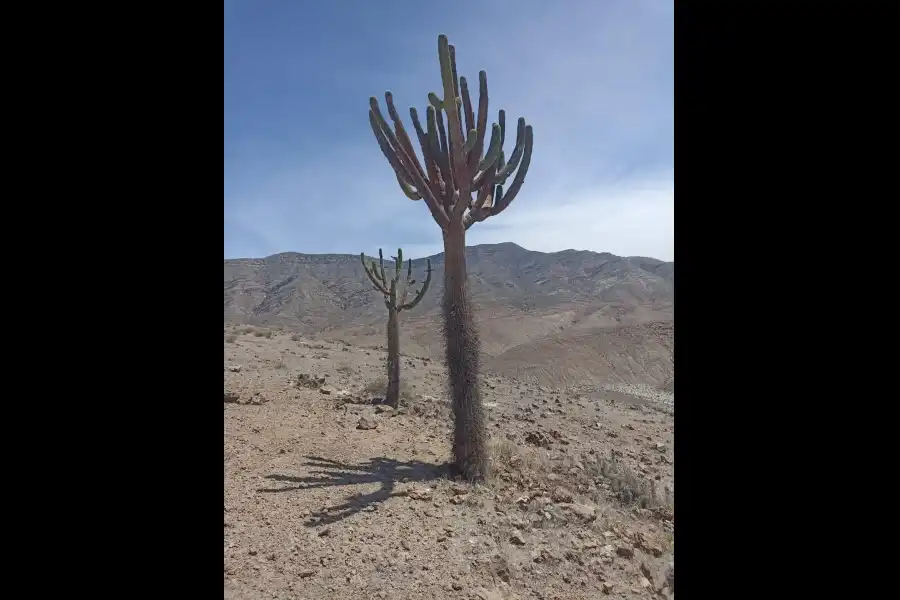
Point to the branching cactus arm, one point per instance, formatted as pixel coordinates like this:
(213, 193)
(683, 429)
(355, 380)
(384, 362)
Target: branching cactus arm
(460, 180)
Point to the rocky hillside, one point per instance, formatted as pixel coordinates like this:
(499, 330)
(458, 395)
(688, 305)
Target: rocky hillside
(570, 314)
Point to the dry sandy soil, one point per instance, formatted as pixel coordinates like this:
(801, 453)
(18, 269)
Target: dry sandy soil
(330, 495)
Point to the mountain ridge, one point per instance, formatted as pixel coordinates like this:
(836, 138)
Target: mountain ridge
(529, 304)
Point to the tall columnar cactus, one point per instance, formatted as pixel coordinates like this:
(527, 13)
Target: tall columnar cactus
(395, 293)
(462, 182)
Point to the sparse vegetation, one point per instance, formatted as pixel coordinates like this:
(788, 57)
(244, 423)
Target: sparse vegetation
(395, 292)
(456, 166)
(378, 387)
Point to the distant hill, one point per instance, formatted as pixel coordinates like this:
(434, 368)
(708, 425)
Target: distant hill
(558, 312)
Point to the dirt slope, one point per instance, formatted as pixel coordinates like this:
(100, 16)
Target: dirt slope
(320, 505)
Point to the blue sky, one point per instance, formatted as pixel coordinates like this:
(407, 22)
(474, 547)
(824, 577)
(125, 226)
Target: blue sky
(303, 171)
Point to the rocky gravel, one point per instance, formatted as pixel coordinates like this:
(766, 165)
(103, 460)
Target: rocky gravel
(330, 494)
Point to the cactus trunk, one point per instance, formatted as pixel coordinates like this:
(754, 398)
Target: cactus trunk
(462, 354)
(393, 359)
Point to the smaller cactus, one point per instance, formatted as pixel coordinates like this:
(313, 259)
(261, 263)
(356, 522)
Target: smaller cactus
(395, 293)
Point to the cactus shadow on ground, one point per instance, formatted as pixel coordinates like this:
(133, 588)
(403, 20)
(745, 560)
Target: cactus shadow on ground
(384, 471)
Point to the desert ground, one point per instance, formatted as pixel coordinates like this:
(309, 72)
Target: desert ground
(329, 494)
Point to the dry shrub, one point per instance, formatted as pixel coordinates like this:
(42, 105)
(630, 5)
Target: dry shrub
(532, 469)
(630, 487)
(378, 387)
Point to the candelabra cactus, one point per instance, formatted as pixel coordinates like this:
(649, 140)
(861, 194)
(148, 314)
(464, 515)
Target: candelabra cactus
(395, 293)
(461, 182)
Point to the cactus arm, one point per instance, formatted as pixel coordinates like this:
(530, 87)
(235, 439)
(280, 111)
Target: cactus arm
(504, 171)
(382, 277)
(403, 176)
(502, 201)
(481, 123)
(409, 282)
(400, 162)
(437, 142)
(446, 169)
(428, 153)
(402, 136)
(373, 277)
(398, 264)
(421, 293)
(454, 127)
(467, 108)
(484, 201)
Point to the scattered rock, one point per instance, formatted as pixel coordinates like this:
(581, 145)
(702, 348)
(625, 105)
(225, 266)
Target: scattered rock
(582, 511)
(234, 368)
(606, 587)
(365, 423)
(232, 397)
(517, 540)
(536, 438)
(309, 381)
(625, 551)
(384, 408)
(420, 493)
(660, 446)
(326, 390)
(561, 494)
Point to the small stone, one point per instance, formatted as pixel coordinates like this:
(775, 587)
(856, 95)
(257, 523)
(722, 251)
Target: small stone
(458, 499)
(645, 583)
(420, 493)
(384, 408)
(306, 574)
(326, 390)
(582, 511)
(456, 586)
(517, 540)
(232, 398)
(606, 587)
(625, 551)
(365, 423)
(561, 494)
(234, 368)
(660, 446)
(458, 489)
